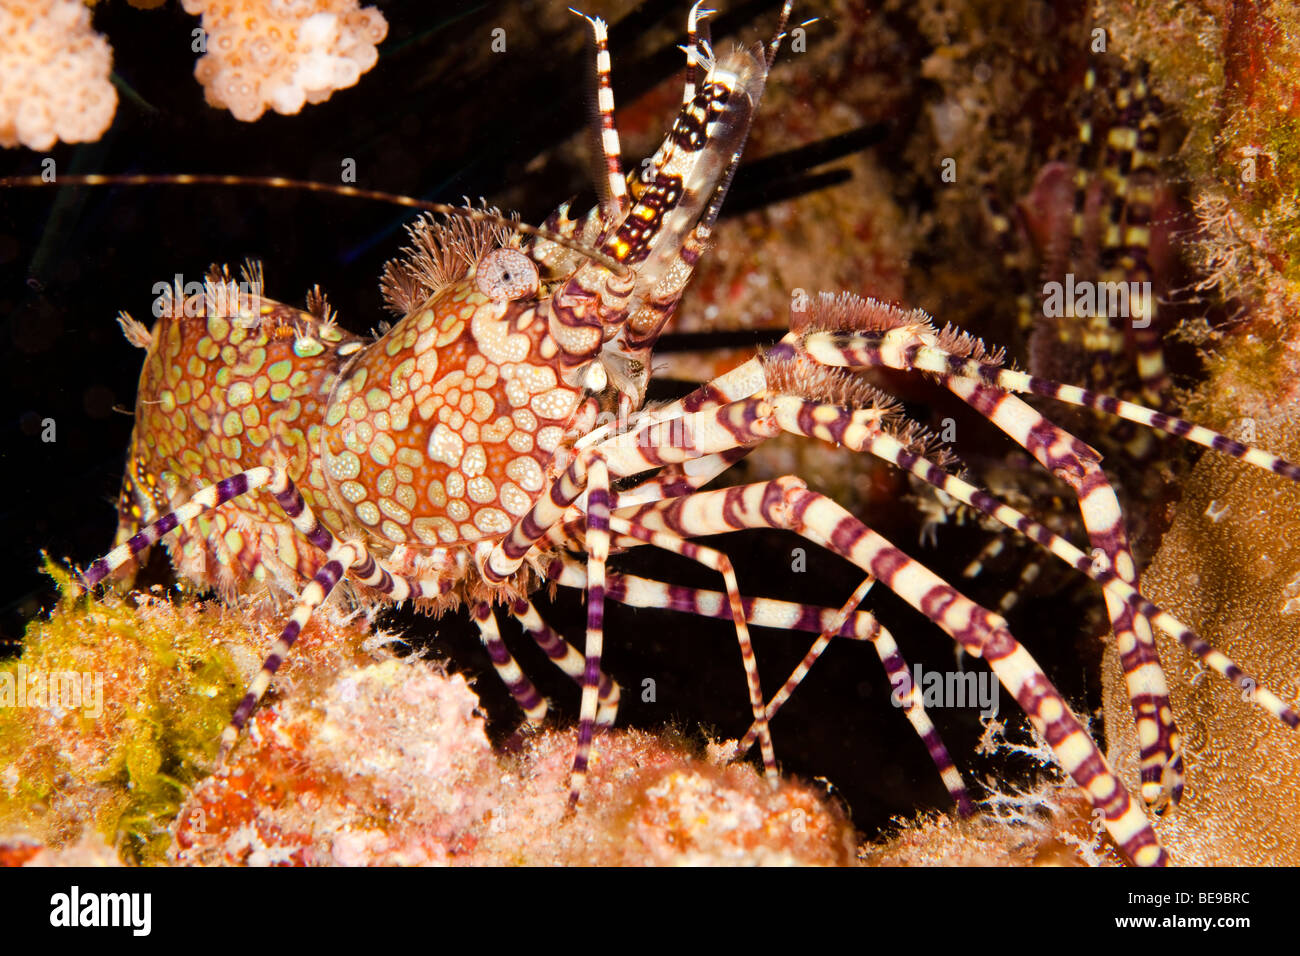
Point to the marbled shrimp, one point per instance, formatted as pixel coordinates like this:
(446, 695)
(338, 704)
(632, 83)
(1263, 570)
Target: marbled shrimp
(496, 440)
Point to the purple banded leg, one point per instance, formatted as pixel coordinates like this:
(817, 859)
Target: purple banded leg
(703, 513)
(900, 678)
(910, 345)
(761, 612)
(900, 348)
(781, 615)
(984, 634)
(674, 481)
(566, 658)
(741, 382)
(532, 703)
(341, 560)
(1069, 458)
(697, 436)
(351, 559)
(213, 496)
(890, 449)
(1066, 456)
(787, 504)
(722, 564)
(275, 480)
(899, 675)
(320, 587)
(809, 659)
(597, 555)
(709, 432)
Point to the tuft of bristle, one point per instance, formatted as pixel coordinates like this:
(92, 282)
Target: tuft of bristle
(135, 332)
(964, 345)
(319, 306)
(443, 250)
(217, 274)
(921, 441)
(223, 296)
(251, 272)
(801, 376)
(171, 303)
(847, 312)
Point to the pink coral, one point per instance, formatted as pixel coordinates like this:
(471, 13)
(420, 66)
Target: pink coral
(390, 765)
(53, 75)
(283, 53)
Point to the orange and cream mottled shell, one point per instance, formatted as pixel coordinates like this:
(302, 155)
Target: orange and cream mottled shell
(441, 432)
(223, 390)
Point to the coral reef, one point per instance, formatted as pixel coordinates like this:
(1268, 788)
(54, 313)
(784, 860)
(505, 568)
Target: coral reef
(1049, 826)
(283, 54)
(1050, 823)
(350, 779)
(54, 71)
(363, 758)
(113, 710)
(1227, 565)
(359, 758)
(1230, 567)
(90, 850)
(1232, 68)
(260, 54)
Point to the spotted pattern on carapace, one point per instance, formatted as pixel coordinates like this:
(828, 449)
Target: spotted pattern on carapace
(225, 389)
(440, 434)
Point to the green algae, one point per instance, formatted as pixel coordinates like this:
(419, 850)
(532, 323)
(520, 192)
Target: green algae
(168, 684)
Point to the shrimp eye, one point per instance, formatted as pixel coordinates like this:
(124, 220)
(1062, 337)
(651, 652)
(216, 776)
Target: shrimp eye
(505, 274)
